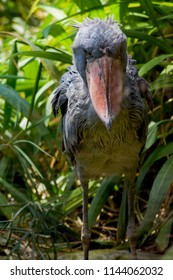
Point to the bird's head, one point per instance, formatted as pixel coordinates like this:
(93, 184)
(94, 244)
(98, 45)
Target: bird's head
(99, 54)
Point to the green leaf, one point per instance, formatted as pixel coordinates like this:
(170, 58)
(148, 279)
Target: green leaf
(152, 135)
(149, 8)
(167, 48)
(162, 82)
(27, 159)
(35, 89)
(73, 201)
(168, 255)
(53, 30)
(56, 55)
(74, 198)
(33, 144)
(100, 198)
(163, 236)
(152, 63)
(13, 77)
(4, 162)
(158, 192)
(49, 66)
(12, 71)
(88, 4)
(18, 195)
(152, 132)
(5, 208)
(14, 99)
(21, 105)
(158, 153)
(57, 13)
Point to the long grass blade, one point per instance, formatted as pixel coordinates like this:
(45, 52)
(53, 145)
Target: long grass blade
(27, 159)
(157, 154)
(100, 198)
(152, 63)
(18, 195)
(56, 55)
(21, 105)
(158, 192)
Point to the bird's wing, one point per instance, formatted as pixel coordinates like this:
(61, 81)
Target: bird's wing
(138, 113)
(144, 90)
(68, 97)
(60, 99)
(139, 82)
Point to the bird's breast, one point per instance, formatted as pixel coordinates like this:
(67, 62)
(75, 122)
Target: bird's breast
(96, 150)
(104, 153)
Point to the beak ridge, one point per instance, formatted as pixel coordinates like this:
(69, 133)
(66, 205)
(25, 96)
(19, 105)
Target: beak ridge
(105, 83)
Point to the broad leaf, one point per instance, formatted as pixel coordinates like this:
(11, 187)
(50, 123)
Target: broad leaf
(100, 198)
(157, 195)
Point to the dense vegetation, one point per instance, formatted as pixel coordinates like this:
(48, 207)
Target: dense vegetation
(40, 197)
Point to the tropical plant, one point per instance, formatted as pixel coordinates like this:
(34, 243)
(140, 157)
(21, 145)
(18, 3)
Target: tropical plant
(40, 197)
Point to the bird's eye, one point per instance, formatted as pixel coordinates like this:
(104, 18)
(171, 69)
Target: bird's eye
(89, 55)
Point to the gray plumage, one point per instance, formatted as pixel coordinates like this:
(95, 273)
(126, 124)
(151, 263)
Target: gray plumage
(109, 145)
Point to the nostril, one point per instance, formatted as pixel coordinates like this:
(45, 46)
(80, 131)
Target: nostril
(106, 51)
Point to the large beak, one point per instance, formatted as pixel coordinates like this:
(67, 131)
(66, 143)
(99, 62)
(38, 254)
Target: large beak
(105, 83)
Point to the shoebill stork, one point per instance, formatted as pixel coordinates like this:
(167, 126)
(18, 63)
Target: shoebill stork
(104, 117)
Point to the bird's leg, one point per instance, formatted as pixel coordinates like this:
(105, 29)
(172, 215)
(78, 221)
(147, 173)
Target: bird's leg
(131, 228)
(85, 234)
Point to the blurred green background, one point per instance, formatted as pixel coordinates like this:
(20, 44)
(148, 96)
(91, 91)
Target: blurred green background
(40, 197)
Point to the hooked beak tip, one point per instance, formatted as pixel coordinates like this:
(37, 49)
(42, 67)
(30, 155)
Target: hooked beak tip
(105, 84)
(108, 123)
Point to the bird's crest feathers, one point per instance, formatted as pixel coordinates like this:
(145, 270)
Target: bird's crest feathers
(88, 21)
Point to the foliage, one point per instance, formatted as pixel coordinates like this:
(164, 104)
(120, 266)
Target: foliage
(40, 198)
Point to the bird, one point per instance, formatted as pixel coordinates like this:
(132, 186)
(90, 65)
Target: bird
(104, 112)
